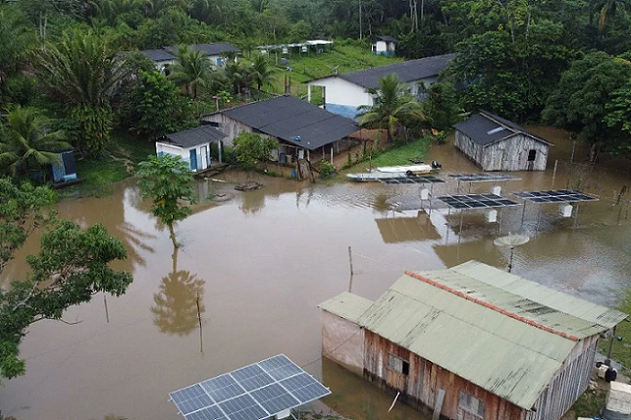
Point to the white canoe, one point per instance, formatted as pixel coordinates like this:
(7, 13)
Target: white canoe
(373, 176)
(402, 170)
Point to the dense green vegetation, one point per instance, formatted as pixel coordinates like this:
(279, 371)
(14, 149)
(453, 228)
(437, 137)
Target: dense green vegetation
(563, 62)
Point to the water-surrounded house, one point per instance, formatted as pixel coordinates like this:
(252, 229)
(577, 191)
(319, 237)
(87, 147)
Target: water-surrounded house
(384, 45)
(470, 342)
(193, 145)
(343, 93)
(303, 130)
(496, 144)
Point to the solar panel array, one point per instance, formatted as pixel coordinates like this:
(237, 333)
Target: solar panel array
(476, 201)
(555, 196)
(420, 179)
(484, 177)
(255, 392)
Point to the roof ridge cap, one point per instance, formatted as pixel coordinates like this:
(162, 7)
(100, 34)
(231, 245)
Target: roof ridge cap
(491, 306)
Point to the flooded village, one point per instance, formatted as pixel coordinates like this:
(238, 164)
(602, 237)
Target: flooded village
(315, 210)
(258, 265)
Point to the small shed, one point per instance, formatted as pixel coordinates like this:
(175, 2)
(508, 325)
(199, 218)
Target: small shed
(193, 145)
(384, 45)
(496, 144)
(471, 342)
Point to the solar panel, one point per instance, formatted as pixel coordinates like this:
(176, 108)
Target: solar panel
(420, 179)
(555, 196)
(476, 201)
(254, 392)
(483, 177)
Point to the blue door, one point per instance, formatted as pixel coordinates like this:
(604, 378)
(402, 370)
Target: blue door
(193, 160)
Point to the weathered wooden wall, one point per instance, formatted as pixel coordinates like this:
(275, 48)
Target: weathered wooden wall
(507, 155)
(420, 387)
(568, 383)
(343, 342)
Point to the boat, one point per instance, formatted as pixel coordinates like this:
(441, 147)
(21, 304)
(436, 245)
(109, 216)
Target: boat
(389, 172)
(406, 170)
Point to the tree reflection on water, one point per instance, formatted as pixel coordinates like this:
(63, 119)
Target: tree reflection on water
(175, 306)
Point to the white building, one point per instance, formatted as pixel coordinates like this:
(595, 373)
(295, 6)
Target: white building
(193, 145)
(343, 93)
(161, 58)
(384, 45)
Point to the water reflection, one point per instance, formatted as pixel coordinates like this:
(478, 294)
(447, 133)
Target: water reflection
(179, 303)
(407, 229)
(253, 202)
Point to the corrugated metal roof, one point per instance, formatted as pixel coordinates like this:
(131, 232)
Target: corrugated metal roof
(347, 306)
(577, 307)
(195, 136)
(294, 121)
(486, 128)
(454, 325)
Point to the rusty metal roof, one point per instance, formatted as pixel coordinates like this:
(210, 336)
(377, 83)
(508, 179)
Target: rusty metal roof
(505, 334)
(347, 306)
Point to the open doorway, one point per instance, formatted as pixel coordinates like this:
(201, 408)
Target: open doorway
(532, 156)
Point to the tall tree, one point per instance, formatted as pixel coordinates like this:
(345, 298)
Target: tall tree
(261, 71)
(82, 74)
(239, 76)
(28, 144)
(166, 180)
(393, 107)
(579, 104)
(192, 69)
(71, 266)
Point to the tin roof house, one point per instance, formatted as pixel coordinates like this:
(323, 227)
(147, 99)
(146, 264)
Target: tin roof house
(496, 144)
(470, 342)
(193, 145)
(344, 92)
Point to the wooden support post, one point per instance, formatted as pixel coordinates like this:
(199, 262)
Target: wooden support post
(350, 260)
(331, 155)
(107, 313)
(199, 320)
(554, 173)
(309, 93)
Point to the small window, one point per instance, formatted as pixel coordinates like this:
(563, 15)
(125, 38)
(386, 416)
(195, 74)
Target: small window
(213, 124)
(471, 405)
(398, 365)
(532, 155)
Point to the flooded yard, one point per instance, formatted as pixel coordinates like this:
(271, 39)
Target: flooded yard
(260, 263)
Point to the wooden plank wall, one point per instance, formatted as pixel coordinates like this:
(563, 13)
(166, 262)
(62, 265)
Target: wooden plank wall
(420, 388)
(507, 155)
(569, 382)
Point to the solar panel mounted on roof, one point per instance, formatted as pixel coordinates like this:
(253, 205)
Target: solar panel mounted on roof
(554, 196)
(254, 392)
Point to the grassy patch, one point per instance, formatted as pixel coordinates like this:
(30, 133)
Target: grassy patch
(621, 349)
(117, 163)
(342, 59)
(395, 155)
(590, 403)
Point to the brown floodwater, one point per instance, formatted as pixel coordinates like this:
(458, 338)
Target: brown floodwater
(258, 265)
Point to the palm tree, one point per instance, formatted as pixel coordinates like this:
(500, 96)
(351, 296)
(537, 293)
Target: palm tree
(79, 70)
(608, 8)
(261, 71)
(28, 144)
(192, 69)
(239, 75)
(393, 107)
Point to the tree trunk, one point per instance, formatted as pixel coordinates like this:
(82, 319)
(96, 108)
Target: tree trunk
(172, 235)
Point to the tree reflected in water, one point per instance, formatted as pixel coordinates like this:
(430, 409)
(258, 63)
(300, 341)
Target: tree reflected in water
(179, 303)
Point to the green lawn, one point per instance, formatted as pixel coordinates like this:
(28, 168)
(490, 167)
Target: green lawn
(395, 155)
(117, 163)
(342, 59)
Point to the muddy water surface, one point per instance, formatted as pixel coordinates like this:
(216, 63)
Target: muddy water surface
(259, 264)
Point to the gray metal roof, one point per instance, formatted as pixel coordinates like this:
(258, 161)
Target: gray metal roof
(195, 136)
(347, 306)
(387, 38)
(294, 121)
(158, 55)
(216, 48)
(503, 333)
(486, 128)
(407, 71)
